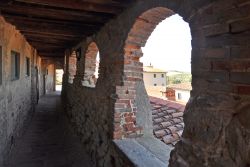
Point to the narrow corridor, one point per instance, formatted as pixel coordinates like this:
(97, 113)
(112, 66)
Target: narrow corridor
(47, 141)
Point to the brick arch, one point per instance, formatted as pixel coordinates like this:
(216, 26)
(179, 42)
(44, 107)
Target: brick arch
(220, 69)
(72, 66)
(132, 106)
(90, 65)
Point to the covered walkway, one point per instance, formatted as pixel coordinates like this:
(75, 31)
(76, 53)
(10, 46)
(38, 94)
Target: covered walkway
(110, 111)
(47, 141)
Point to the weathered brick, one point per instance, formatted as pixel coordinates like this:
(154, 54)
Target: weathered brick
(216, 29)
(240, 77)
(216, 52)
(239, 26)
(243, 89)
(240, 52)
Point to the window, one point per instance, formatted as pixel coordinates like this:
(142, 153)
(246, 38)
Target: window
(154, 75)
(162, 75)
(1, 66)
(27, 66)
(179, 96)
(15, 65)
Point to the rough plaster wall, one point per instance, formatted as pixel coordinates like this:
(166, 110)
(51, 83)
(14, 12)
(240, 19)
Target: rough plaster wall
(40, 78)
(15, 96)
(216, 118)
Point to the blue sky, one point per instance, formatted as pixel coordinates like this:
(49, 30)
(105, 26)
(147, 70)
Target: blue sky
(169, 46)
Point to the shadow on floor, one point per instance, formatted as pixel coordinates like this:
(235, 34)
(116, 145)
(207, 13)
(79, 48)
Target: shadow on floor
(47, 141)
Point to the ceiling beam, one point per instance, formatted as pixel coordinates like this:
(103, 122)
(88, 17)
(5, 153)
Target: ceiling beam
(51, 54)
(49, 13)
(47, 36)
(77, 5)
(51, 26)
(11, 16)
(52, 29)
(49, 42)
(80, 28)
(7, 1)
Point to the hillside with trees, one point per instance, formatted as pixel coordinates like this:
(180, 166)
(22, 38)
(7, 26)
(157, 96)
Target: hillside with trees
(181, 77)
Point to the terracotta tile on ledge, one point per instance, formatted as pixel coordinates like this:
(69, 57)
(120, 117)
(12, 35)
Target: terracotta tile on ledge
(167, 118)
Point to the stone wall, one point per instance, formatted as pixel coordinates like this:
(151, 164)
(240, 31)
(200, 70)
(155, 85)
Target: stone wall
(216, 118)
(215, 133)
(16, 96)
(50, 80)
(108, 111)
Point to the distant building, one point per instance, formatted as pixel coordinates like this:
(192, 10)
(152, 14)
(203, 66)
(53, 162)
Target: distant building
(154, 77)
(155, 81)
(181, 92)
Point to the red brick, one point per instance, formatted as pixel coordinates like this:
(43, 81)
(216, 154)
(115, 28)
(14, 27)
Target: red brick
(216, 52)
(117, 135)
(243, 89)
(241, 25)
(129, 126)
(130, 119)
(117, 127)
(216, 29)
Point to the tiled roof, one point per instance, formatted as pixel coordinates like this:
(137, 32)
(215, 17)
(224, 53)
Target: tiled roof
(152, 69)
(181, 86)
(167, 118)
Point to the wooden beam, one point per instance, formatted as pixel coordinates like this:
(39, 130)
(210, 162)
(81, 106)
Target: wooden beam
(6, 1)
(87, 23)
(81, 28)
(46, 36)
(57, 14)
(50, 54)
(52, 29)
(43, 41)
(77, 5)
(51, 40)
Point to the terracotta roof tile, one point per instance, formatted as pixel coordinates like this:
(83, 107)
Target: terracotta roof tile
(181, 86)
(167, 118)
(177, 120)
(166, 124)
(160, 133)
(177, 114)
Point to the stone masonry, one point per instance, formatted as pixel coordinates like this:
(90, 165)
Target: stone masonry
(216, 128)
(117, 109)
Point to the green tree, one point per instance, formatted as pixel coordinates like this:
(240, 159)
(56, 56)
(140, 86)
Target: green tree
(179, 78)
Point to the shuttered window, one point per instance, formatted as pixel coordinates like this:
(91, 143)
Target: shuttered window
(1, 66)
(15, 65)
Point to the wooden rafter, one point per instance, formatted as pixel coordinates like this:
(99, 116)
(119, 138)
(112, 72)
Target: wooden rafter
(51, 26)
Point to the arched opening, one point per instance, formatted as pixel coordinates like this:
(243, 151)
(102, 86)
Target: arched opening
(167, 76)
(91, 65)
(59, 76)
(133, 104)
(72, 66)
